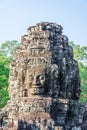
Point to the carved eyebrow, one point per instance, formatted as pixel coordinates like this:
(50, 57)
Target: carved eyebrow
(31, 76)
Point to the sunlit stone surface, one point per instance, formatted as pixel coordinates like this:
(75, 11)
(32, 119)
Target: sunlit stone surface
(44, 83)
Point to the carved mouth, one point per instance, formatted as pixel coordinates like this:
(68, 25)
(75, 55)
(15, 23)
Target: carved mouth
(37, 90)
(38, 86)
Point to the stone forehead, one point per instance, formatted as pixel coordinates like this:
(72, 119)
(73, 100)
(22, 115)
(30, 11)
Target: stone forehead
(37, 69)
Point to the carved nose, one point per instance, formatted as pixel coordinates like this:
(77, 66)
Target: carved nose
(36, 81)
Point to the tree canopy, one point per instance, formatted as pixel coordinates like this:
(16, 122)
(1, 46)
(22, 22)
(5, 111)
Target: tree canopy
(80, 54)
(6, 55)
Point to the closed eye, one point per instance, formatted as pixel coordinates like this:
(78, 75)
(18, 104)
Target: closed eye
(31, 78)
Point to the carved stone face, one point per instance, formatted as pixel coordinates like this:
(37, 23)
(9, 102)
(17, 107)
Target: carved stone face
(37, 79)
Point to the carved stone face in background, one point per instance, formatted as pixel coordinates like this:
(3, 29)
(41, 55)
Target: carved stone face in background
(37, 79)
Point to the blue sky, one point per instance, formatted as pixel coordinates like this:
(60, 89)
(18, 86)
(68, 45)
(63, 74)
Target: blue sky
(17, 15)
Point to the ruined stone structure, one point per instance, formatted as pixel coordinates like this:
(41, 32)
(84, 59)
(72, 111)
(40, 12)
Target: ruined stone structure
(44, 83)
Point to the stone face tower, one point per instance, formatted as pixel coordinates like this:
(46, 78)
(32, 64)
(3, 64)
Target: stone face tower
(44, 83)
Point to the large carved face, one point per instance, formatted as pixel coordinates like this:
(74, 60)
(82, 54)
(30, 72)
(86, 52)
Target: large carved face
(37, 80)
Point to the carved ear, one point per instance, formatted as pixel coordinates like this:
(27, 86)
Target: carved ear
(54, 69)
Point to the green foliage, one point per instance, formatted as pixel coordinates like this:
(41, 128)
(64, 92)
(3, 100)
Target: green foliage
(4, 74)
(4, 71)
(7, 48)
(80, 54)
(3, 97)
(6, 55)
(83, 76)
